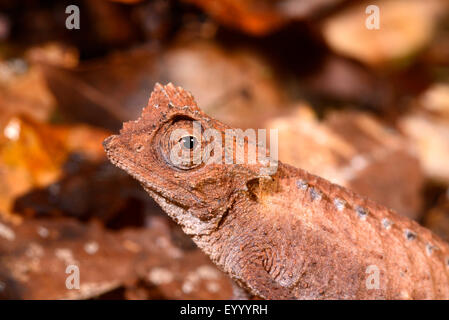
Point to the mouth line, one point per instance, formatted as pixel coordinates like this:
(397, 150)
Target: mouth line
(154, 190)
(145, 184)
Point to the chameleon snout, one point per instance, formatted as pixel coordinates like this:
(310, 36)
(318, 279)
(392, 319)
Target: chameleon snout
(108, 142)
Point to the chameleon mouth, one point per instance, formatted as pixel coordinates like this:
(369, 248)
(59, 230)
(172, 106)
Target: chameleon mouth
(156, 193)
(108, 142)
(177, 211)
(129, 167)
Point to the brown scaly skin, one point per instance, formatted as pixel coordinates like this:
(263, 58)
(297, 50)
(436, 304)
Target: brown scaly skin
(289, 236)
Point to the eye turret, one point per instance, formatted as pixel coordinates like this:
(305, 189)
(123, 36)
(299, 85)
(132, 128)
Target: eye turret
(180, 144)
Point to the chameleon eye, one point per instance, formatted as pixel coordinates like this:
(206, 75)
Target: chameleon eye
(181, 145)
(189, 142)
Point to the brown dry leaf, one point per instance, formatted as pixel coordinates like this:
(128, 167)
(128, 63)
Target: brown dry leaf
(36, 254)
(385, 167)
(427, 127)
(437, 54)
(90, 190)
(55, 54)
(436, 99)
(430, 137)
(127, 1)
(35, 259)
(23, 91)
(406, 26)
(437, 218)
(96, 93)
(262, 17)
(238, 88)
(354, 150)
(255, 17)
(306, 143)
(31, 154)
(344, 80)
(176, 272)
(112, 24)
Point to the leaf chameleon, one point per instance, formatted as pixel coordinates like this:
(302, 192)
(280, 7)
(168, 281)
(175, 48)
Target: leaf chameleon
(288, 235)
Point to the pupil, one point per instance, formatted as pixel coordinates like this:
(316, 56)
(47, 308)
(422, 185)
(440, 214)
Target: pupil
(189, 142)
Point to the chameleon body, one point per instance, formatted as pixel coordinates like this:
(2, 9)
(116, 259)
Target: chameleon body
(289, 235)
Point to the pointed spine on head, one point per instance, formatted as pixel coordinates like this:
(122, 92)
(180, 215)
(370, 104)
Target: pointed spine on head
(163, 101)
(168, 97)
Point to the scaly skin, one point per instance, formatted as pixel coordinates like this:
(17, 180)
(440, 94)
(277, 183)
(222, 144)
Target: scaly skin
(291, 235)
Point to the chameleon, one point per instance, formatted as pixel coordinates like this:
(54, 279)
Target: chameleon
(287, 234)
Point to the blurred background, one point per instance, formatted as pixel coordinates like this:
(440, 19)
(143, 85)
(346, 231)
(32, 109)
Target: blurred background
(365, 108)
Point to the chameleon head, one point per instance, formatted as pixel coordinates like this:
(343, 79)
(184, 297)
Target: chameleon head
(165, 151)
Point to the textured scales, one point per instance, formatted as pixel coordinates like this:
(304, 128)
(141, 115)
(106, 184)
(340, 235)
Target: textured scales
(291, 236)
